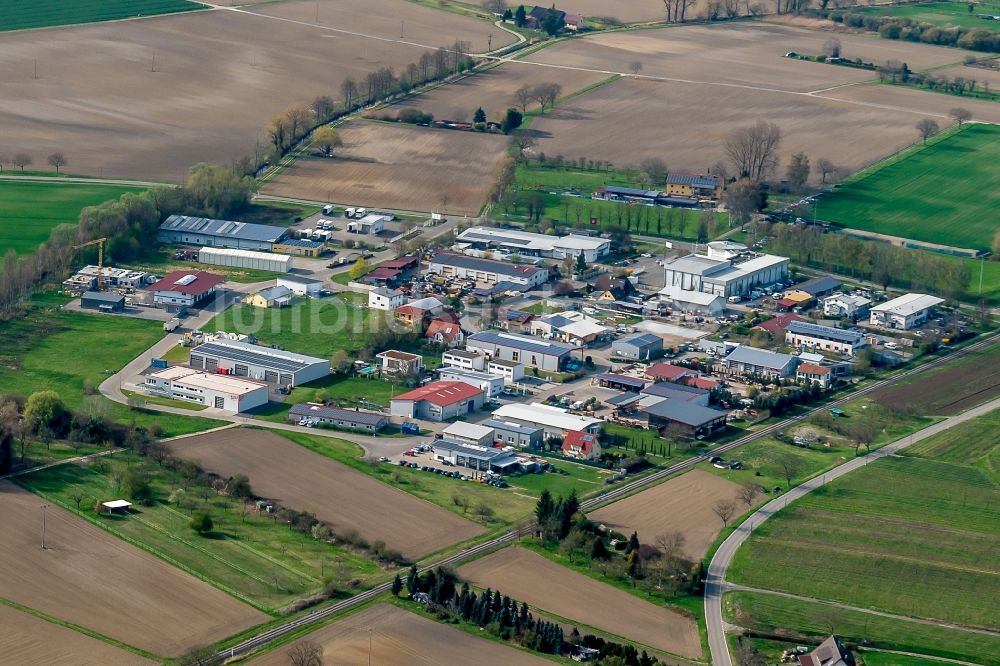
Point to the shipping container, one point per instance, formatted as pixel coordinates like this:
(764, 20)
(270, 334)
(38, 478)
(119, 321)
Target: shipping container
(158, 363)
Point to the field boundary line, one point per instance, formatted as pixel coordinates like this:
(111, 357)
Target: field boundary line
(736, 587)
(51, 619)
(57, 463)
(932, 657)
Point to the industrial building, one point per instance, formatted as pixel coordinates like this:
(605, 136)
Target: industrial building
(301, 286)
(488, 271)
(260, 261)
(513, 433)
(351, 419)
(686, 300)
(532, 352)
(373, 223)
(529, 244)
(102, 301)
(511, 371)
(696, 419)
(555, 421)
(727, 269)
(823, 338)
(437, 401)
(482, 458)
(491, 385)
(383, 298)
(185, 288)
(213, 390)
(463, 358)
(904, 312)
(298, 247)
(119, 278)
(846, 305)
(638, 346)
(752, 361)
(219, 233)
(469, 433)
(258, 362)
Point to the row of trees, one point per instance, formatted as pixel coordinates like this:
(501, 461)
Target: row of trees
(545, 94)
(21, 160)
(894, 27)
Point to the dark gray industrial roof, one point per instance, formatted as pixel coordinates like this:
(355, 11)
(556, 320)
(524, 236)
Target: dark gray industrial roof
(819, 285)
(677, 391)
(223, 228)
(641, 340)
(299, 279)
(622, 379)
(513, 426)
(684, 412)
(338, 414)
(761, 357)
(102, 296)
(631, 192)
(257, 355)
(484, 265)
(522, 342)
(826, 332)
(694, 180)
(466, 450)
(622, 399)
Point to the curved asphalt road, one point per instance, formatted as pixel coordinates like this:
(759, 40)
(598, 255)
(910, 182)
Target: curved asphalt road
(715, 584)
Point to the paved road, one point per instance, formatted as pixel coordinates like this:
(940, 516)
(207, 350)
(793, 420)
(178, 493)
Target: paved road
(715, 585)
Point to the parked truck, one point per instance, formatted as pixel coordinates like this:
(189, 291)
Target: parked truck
(172, 325)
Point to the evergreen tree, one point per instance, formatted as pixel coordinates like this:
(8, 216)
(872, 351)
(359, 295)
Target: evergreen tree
(520, 17)
(634, 565)
(412, 581)
(599, 551)
(544, 507)
(581, 262)
(479, 116)
(397, 585)
(523, 618)
(428, 582)
(633, 543)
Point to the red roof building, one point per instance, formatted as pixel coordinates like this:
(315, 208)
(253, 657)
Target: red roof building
(702, 383)
(402, 264)
(438, 401)
(814, 373)
(184, 288)
(445, 333)
(777, 325)
(665, 372)
(581, 445)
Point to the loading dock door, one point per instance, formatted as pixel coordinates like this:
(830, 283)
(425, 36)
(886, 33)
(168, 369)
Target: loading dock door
(197, 361)
(220, 402)
(287, 379)
(271, 376)
(241, 370)
(211, 364)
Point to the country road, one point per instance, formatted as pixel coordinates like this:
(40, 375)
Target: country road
(715, 584)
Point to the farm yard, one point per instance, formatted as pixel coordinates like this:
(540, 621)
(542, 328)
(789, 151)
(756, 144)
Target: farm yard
(493, 90)
(549, 587)
(916, 197)
(682, 504)
(30, 210)
(28, 639)
(968, 382)
(401, 638)
(396, 166)
(391, 20)
(17, 15)
(219, 78)
(305, 481)
(915, 536)
(167, 610)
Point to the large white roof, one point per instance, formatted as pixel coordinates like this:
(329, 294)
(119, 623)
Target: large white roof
(583, 328)
(908, 304)
(545, 415)
(207, 380)
(467, 430)
(529, 240)
(688, 296)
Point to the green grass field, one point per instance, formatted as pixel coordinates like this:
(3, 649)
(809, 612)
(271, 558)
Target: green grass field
(769, 614)
(919, 196)
(42, 351)
(564, 191)
(21, 15)
(161, 261)
(939, 13)
(250, 555)
(29, 211)
(342, 391)
(915, 536)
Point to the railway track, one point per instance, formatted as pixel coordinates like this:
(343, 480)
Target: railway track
(617, 493)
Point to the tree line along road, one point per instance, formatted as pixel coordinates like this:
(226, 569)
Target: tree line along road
(717, 652)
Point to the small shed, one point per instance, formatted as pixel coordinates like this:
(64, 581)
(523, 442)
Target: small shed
(117, 506)
(103, 301)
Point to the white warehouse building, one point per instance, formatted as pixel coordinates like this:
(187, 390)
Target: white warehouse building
(727, 269)
(262, 261)
(491, 385)
(212, 390)
(243, 359)
(529, 244)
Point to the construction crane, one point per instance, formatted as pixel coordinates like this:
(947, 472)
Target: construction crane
(99, 242)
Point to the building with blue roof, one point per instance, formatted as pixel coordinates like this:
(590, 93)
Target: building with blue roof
(823, 338)
(532, 352)
(187, 230)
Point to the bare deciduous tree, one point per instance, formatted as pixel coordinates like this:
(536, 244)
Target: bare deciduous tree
(57, 160)
(825, 168)
(961, 115)
(752, 150)
(497, 7)
(21, 160)
(546, 94)
(748, 492)
(831, 48)
(524, 96)
(635, 67)
(798, 171)
(349, 91)
(671, 544)
(790, 466)
(524, 142)
(306, 653)
(927, 128)
(724, 509)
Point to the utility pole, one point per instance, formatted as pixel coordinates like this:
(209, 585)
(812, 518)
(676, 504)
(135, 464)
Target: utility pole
(36, 68)
(982, 266)
(369, 646)
(44, 507)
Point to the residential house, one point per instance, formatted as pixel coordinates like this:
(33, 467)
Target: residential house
(812, 372)
(777, 324)
(846, 305)
(491, 385)
(512, 433)
(609, 288)
(638, 346)
(823, 338)
(829, 653)
(272, 297)
(438, 401)
(904, 312)
(515, 321)
(384, 298)
(583, 445)
(445, 333)
(301, 286)
(400, 363)
(569, 326)
(752, 361)
(418, 312)
(532, 352)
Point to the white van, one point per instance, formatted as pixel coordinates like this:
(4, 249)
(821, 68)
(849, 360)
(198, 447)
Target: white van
(735, 299)
(349, 212)
(328, 209)
(360, 212)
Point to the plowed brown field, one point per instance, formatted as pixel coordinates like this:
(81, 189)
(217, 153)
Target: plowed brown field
(88, 577)
(400, 638)
(682, 504)
(543, 584)
(345, 498)
(402, 167)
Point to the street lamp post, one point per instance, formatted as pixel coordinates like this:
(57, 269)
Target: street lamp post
(44, 507)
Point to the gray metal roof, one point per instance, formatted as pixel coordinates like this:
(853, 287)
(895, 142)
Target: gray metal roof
(693, 180)
(223, 228)
(301, 242)
(761, 357)
(272, 293)
(242, 352)
(484, 265)
(818, 285)
(338, 414)
(676, 391)
(684, 412)
(622, 399)
(480, 453)
(825, 332)
(522, 342)
(615, 378)
(299, 279)
(102, 296)
(513, 426)
(641, 340)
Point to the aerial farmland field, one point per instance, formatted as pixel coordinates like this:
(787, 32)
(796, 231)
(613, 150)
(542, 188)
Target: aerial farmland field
(939, 13)
(17, 15)
(547, 586)
(682, 504)
(337, 494)
(401, 638)
(168, 610)
(397, 166)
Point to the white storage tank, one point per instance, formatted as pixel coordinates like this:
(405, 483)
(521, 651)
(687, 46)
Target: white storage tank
(261, 261)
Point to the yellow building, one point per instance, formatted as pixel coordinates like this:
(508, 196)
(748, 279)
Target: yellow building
(298, 248)
(694, 186)
(273, 297)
